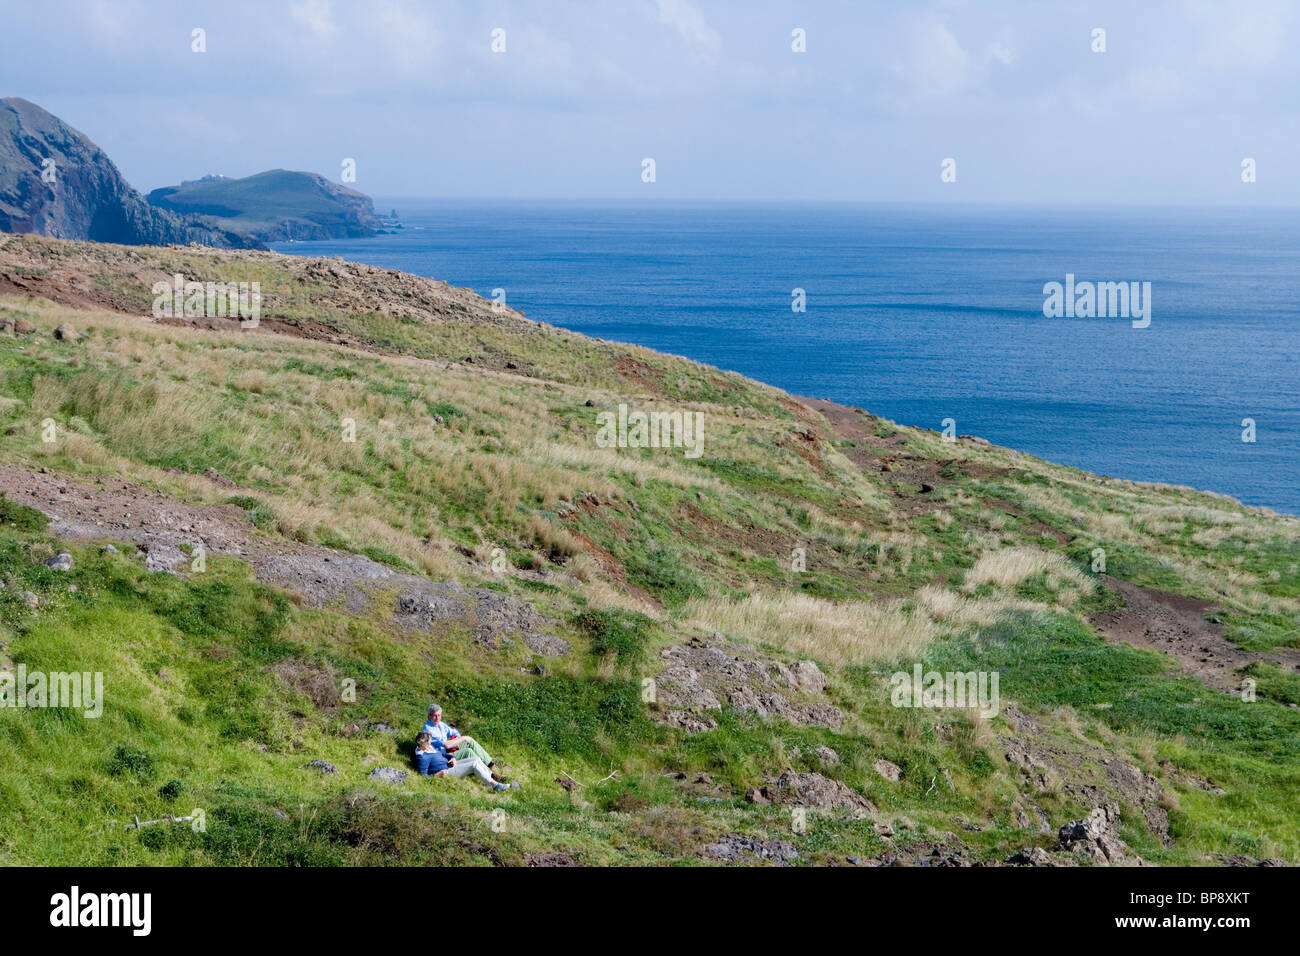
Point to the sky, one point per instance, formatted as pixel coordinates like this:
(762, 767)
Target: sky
(711, 90)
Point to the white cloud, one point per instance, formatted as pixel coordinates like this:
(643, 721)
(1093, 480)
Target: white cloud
(1241, 35)
(408, 35)
(939, 64)
(1001, 53)
(702, 40)
(316, 15)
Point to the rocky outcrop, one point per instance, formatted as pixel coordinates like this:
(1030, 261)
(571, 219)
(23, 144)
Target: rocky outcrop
(811, 791)
(736, 849)
(1084, 772)
(702, 676)
(1094, 838)
(55, 182)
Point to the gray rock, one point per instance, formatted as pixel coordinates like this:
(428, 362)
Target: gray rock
(108, 549)
(702, 674)
(1093, 837)
(325, 767)
(889, 770)
(808, 677)
(1033, 856)
(734, 848)
(60, 562)
(163, 557)
(388, 774)
(545, 644)
(815, 792)
(827, 757)
(687, 721)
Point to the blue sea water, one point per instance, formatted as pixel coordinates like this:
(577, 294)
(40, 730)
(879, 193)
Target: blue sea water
(921, 313)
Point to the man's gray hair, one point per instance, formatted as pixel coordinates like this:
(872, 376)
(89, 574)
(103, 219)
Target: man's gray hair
(435, 709)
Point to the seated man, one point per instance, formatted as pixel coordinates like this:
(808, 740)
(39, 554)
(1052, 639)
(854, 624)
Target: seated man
(432, 762)
(449, 740)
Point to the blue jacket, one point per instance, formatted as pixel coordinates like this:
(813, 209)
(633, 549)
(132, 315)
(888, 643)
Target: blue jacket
(430, 762)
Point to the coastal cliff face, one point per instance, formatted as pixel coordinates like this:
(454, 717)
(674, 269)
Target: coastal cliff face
(275, 206)
(55, 182)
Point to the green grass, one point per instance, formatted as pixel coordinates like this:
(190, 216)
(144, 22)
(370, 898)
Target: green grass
(219, 689)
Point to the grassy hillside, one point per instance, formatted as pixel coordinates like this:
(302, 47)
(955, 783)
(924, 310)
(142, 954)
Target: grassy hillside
(475, 461)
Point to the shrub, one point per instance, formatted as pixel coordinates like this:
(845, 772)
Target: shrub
(622, 634)
(129, 761)
(22, 517)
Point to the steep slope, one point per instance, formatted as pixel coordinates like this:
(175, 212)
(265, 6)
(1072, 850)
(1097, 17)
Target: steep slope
(274, 206)
(82, 195)
(390, 491)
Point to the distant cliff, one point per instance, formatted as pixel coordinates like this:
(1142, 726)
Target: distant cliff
(274, 206)
(54, 181)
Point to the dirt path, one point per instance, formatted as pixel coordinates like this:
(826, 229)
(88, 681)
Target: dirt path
(1170, 623)
(1177, 625)
(111, 509)
(167, 530)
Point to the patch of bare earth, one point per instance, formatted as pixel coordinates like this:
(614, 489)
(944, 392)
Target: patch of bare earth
(1178, 626)
(168, 532)
(911, 478)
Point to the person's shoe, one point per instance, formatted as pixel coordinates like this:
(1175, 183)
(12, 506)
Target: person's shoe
(498, 778)
(498, 787)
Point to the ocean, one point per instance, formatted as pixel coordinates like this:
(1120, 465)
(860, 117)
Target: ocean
(921, 313)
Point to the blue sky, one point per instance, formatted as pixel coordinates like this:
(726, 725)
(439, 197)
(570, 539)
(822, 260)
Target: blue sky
(712, 90)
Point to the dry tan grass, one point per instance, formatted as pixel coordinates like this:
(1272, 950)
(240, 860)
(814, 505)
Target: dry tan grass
(841, 633)
(1008, 567)
(518, 449)
(958, 612)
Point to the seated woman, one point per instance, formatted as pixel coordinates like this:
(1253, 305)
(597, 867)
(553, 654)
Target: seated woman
(433, 762)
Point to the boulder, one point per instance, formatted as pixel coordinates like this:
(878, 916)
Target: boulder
(827, 757)
(1094, 837)
(1033, 856)
(66, 333)
(808, 677)
(60, 562)
(388, 774)
(163, 558)
(325, 767)
(813, 791)
(889, 770)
